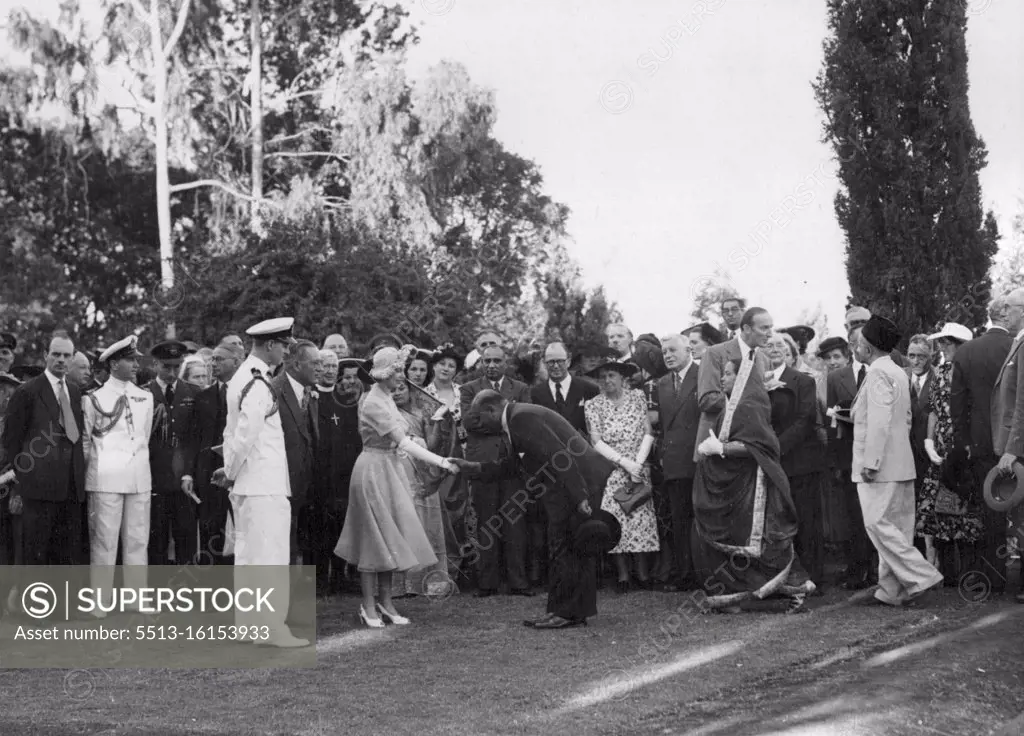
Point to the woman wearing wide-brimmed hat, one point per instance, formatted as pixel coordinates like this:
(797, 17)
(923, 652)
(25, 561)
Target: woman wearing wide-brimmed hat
(949, 527)
(382, 531)
(620, 430)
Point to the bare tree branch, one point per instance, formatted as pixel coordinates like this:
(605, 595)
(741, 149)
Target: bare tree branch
(298, 95)
(304, 154)
(210, 183)
(283, 138)
(179, 27)
(140, 11)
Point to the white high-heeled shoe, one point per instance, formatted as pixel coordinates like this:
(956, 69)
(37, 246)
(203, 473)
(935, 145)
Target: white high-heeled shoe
(392, 618)
(373, 623)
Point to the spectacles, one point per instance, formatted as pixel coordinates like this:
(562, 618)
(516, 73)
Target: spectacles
(732, 309)
(555, 362)
(917, 356)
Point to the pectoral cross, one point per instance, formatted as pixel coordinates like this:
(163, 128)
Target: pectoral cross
(334, 418)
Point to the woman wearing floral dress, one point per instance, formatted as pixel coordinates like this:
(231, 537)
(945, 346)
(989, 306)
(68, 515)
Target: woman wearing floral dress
(424, 482)
(459, 516)
(946, 522)
(621, 431)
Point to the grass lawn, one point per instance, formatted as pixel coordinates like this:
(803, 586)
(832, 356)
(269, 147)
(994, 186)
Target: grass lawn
(646, 664)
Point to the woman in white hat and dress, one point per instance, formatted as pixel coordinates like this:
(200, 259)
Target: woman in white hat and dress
(944, 520)
(382, 532)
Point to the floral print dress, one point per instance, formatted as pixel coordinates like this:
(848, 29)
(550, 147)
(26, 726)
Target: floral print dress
(622, 428)
(965, 526)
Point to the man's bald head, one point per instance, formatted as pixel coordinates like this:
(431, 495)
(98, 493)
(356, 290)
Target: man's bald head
(556, 360)
(80, 370)
(338, 344)
(1013, 311)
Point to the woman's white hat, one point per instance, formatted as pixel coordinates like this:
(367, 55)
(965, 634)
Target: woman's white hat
(955, 331)
(388, 360)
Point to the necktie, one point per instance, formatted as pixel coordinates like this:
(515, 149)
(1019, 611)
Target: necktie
(67, 417)
(305, 399)
(559, 398)
(495, 384)
(751, 355)
(169, 394)
(861, 374)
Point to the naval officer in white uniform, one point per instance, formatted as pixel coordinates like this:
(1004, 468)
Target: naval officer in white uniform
(256, 470)
(118, 418)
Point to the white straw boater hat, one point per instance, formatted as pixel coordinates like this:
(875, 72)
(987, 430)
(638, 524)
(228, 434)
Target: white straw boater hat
(955, 331)
(388, 361)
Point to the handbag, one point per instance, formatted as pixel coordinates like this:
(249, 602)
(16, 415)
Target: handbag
(633, 496)
(947, 502)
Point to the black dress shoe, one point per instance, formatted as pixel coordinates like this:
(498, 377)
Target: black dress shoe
(525, 592)
(557, 622)
(485, 593)
(532, 622)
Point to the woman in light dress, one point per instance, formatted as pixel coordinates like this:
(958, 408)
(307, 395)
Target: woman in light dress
(382, 532)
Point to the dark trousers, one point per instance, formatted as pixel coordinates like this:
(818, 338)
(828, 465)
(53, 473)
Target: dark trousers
(860, 553)
(328, 525)
(572, 578)
(680, 497)
(501, 533)
(10, 533)
(213, 516)
(172, 516)
(809, 544)
(992, 553)
(537, 536)
(52, 532)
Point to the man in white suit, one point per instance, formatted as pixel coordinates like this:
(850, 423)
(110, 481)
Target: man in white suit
(256, 470)
(883, 468)
(118, 418)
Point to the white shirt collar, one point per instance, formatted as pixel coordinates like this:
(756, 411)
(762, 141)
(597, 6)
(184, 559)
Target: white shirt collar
(324, 389)
(54, 381)
(564, 383)
(489, 381)
(681, 372)
(297, 387)
(117, 384)
(163, 384)
(776, 373)
(744, 348)
(856, 364)
(504, 423)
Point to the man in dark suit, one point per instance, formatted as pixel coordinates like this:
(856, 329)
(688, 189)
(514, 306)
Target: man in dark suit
(678, 418)
(793, 397)
(568, 476)
(1007, 417)
(562, 392)
(754, 331)
(841, 390)
(498, 535)
(566, 395)
(173, 447)
(297, 401)
(919, 355)
(42, 438)
(211, 417)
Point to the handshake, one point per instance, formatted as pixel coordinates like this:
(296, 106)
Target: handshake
(455, 465)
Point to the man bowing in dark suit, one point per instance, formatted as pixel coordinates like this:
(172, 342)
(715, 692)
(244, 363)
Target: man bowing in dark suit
(296, 393)
(499, 535)
(568, 476)
(679, 417)
(42, 438)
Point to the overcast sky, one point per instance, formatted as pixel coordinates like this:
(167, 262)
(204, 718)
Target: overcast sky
(672, 166)
(684, 135)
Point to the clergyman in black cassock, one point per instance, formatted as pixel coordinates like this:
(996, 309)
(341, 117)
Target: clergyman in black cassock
(566, 474)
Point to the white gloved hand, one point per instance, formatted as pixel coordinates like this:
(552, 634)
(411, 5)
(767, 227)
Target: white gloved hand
(631, 466)
(711, 446)
(440, 414)
(7, 478)
(929, 448)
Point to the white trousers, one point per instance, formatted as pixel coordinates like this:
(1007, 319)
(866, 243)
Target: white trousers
(117, 517)
(262, 534)
(888, 510)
